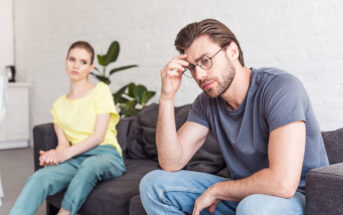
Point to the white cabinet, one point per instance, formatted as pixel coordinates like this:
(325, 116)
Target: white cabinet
(14, 130)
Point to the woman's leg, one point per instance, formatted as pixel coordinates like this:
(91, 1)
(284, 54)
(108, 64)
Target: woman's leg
(103, 164)
(44, 182)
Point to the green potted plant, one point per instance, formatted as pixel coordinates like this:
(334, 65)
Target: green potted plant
(131, 98)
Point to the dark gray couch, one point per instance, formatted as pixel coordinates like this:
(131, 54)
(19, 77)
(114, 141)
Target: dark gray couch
(136, 136)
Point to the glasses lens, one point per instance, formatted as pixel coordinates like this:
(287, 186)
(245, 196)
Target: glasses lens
(205, 62)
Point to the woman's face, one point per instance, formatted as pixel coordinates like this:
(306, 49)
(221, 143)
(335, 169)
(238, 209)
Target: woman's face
(78, 64)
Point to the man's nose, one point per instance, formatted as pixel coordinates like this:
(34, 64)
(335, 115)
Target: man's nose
(200, 74)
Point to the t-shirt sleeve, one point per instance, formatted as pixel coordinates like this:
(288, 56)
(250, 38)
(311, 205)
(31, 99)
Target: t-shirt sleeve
(285, 101)
(197, 113)
(105, 104)
(54, 115)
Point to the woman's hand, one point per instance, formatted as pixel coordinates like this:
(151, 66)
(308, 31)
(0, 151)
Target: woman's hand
(52, 157)
(171, 75)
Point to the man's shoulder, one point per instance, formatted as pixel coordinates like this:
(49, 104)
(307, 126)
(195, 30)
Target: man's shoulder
(266, 77)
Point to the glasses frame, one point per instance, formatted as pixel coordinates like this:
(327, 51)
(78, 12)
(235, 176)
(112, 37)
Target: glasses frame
(200, 65)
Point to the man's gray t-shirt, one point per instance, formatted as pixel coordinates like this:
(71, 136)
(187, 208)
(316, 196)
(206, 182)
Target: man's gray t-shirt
(275, 98)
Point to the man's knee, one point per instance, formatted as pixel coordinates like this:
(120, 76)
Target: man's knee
(265, 204)
(151, 180)
(254, 204)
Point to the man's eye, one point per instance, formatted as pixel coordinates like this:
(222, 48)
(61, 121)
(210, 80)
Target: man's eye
(204, 61)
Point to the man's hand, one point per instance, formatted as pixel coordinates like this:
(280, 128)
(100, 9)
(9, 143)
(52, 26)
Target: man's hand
(171, 76)
(206, 200)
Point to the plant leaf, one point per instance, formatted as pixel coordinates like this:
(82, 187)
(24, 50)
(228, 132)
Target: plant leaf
(131, 90)
(141, 94)
(128, 109)
(150, 95)
(102, 78)
(112, 53)
(96, 69)
(118, 94)
(101, 60)
(121, 68)
(122, 100)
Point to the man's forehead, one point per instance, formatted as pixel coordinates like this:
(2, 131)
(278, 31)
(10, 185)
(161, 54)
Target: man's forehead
(201, 46)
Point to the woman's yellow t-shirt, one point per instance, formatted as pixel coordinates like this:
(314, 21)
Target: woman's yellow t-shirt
(77, 117)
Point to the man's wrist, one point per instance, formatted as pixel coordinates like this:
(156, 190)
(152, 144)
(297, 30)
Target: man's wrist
(217, 190)
(165, 98)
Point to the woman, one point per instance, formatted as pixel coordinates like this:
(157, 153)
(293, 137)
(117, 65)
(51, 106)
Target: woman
(87, 150)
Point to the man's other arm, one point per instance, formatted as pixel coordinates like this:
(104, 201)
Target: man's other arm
(286, 151)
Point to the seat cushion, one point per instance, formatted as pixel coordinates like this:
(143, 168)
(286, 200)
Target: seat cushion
(136, 206)
(113, 196)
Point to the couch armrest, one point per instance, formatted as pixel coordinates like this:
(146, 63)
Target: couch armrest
(44, 138)
(324, 190)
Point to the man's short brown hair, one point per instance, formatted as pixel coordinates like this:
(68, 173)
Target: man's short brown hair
(217, 31)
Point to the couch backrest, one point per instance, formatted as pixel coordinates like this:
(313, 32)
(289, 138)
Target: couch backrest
(140, 142)
(333, 141)
(137, 138)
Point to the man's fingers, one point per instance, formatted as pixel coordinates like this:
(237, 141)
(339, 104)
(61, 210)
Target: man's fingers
(213, 207)
(175, 66)
(196, 209)
(179, 61)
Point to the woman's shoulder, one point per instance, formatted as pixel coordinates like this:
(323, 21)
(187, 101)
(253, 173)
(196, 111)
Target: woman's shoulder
(101, 88)
(101, 85)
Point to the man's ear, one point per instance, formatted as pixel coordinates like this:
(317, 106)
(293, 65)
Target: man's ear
(232, 51)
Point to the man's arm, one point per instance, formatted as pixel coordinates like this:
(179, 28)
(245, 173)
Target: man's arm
(175, 149)
(286, 151)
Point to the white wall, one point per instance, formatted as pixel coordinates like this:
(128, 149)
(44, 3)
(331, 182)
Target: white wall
(6, 35)
(304, 37)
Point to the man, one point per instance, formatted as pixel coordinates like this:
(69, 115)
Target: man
(263, 122)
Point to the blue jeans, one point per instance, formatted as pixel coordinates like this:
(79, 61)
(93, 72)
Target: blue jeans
(175, 193)
(79, 175)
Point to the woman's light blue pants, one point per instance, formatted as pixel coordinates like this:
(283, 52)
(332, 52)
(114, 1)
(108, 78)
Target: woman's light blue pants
(174, 193)
(79, 175)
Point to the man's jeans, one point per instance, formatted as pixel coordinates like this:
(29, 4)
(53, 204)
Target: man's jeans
(175, 193)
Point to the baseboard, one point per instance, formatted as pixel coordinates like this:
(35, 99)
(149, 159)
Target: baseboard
(13, 144)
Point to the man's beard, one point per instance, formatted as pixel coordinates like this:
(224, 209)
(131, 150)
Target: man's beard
(227, 77)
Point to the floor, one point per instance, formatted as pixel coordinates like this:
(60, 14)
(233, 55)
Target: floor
(15, 167)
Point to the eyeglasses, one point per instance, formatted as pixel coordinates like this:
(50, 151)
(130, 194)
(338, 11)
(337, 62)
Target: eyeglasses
(205, 62)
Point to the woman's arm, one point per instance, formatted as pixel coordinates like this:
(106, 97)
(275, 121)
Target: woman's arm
(48, 157)
(64, 152)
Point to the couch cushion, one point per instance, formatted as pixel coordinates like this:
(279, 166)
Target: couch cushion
(136, 206)
(324, 190)
(141, 141)
(333, 141)
(123, 128)
(113, 196)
